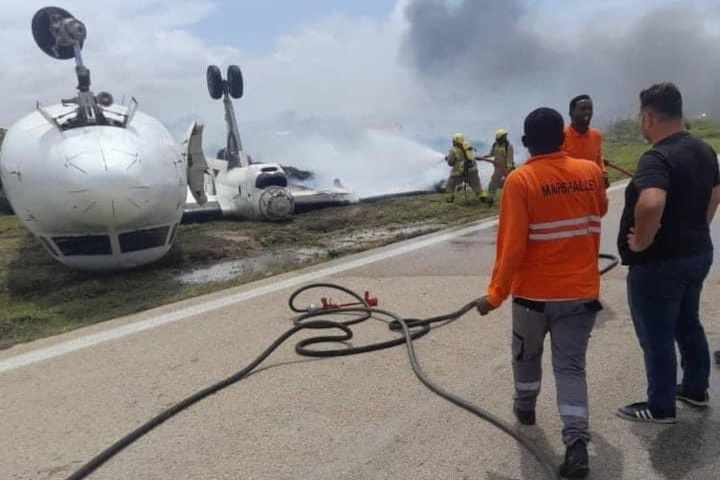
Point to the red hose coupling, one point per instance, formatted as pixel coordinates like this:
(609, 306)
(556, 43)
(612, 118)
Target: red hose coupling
(370, 300)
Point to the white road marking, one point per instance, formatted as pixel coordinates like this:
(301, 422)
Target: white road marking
(87, 341)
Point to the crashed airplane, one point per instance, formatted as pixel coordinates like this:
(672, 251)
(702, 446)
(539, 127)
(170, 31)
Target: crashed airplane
(101, 185)
(232, 185)
(104, 186)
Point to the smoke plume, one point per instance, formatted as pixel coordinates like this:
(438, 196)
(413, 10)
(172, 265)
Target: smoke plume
(502, 53)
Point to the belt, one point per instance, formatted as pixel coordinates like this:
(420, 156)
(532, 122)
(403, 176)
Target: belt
(539, 307)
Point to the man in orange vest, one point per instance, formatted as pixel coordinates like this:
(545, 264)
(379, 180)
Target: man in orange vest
(582, 141)
(547, 258)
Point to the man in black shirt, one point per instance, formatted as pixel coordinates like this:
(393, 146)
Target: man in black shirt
(665, 239)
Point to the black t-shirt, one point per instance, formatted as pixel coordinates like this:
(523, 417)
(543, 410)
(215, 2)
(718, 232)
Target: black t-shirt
(687, 169)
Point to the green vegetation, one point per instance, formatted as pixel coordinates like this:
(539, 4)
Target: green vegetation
(624, 144)
(40, 297)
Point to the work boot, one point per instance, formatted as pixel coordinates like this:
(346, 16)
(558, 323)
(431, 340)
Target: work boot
(525, 417)
(577, 464)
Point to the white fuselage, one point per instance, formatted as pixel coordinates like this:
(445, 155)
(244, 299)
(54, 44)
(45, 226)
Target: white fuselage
(97, 197)
(257, 191)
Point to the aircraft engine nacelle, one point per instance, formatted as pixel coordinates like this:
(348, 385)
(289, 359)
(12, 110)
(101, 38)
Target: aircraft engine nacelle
(258, 192)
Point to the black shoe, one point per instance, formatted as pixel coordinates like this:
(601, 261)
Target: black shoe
(717, 357)
(526, 417)
(640, 412)
(577, 464)
(690, 398)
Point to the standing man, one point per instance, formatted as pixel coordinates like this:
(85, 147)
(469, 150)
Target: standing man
(665, 239)
(503, 158)
(582, 141)
(461, 158)
(547, 258)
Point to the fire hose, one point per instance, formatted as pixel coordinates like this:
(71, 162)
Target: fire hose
(618, 168)
(364, 308)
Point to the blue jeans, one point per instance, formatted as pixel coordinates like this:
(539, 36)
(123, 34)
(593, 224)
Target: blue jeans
(664, 299)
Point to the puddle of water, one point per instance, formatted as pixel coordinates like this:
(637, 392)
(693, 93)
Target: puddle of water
(226, 271)
(230, 270)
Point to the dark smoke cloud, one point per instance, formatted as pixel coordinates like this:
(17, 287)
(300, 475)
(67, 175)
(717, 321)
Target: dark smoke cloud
(489, 54)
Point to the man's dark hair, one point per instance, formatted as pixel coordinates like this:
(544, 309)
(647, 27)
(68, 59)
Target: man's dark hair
(576, 100)
(544, 131)
(664, 99)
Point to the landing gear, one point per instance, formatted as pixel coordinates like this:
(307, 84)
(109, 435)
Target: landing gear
(235, 81)
(215, 82)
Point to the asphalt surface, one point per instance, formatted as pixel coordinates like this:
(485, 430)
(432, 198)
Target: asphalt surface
(362, 417)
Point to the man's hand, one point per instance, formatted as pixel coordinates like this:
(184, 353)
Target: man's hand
(634, 243)
(484, 306)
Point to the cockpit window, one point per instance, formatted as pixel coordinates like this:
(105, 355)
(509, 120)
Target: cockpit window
(85, 245)
(143, 239)
(265, 180)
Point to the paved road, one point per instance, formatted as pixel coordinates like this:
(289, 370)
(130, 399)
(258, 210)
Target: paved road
(363, 417)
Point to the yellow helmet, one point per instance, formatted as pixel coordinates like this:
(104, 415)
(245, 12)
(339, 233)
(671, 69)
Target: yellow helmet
(500, 133)
(458, 139)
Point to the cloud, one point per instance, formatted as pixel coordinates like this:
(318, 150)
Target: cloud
(512, 53)
(427, 70)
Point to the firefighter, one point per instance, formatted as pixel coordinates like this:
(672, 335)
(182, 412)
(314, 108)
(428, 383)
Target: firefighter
(547, 259)
(461, 158)
(502, 156)
(581, 140)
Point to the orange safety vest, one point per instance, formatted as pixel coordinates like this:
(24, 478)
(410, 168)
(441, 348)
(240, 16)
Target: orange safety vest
(587, 146)
(549, 231)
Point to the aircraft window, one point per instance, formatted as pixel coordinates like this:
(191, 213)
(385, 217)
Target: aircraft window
(269, 169)
(143, 239)
(172, 235)
(265, 180)
(49, 247)
(87, 245)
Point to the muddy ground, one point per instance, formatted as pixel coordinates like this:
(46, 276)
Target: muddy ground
(40, 297)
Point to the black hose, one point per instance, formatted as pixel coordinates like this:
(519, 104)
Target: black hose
(412, 329)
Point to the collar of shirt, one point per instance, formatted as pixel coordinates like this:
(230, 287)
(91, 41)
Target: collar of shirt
(548, 156)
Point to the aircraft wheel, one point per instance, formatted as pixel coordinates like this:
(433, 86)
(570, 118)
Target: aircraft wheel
(215, 82)
(235, 81)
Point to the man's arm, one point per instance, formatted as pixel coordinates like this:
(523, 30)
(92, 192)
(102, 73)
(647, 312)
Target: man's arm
(652, 179)
(714, 202)
(511, 240)
(602, 195)
(648, 213)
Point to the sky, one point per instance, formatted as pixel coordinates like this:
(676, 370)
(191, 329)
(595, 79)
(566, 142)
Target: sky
(324, 77)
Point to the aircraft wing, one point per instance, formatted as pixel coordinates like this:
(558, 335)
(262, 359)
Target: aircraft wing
(307, 198)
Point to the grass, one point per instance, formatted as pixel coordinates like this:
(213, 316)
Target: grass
(624, 144)
(40, 297)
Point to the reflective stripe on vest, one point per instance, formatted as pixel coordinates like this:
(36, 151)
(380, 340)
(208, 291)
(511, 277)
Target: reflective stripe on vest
(572, 227)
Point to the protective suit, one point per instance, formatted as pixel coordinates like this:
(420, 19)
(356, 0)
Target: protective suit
(461, 158)
(503, 156)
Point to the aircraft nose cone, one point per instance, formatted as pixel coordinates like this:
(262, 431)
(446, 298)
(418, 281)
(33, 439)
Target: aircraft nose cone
(122, 189)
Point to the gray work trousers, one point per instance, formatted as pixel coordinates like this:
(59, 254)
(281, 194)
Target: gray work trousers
(570, 324)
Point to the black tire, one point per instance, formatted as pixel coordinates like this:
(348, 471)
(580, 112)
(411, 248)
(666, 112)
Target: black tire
(235, 81)
(215, 82)
(43, 36)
